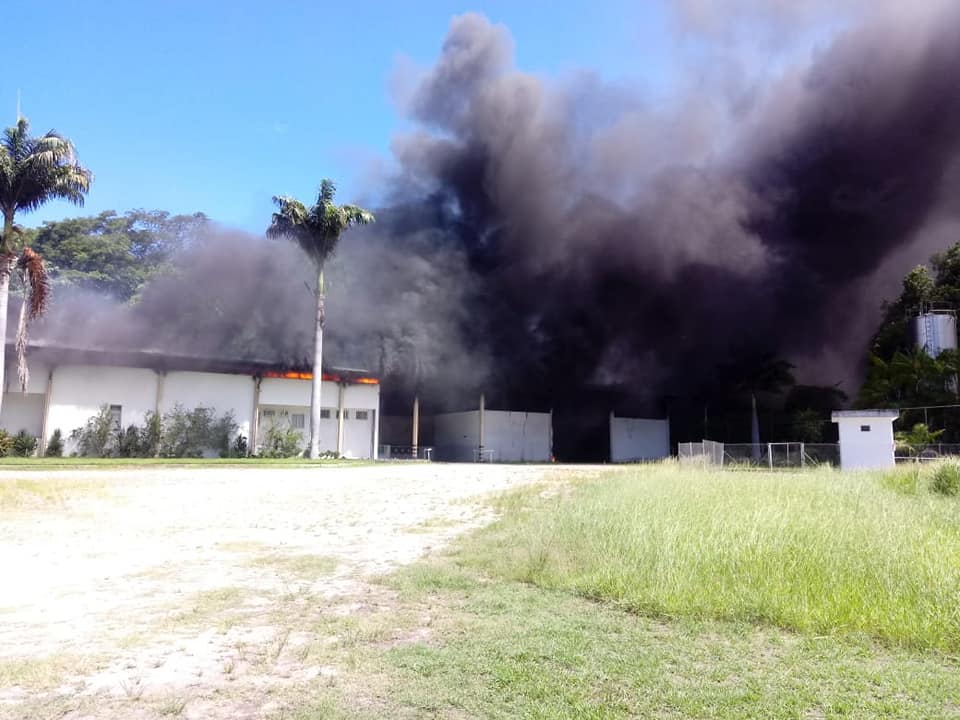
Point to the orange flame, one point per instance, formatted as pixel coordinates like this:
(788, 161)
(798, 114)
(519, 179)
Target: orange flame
(291, 375)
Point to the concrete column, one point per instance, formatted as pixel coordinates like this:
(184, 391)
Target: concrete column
(340, 412)
(416, 427)
(44, 427)
(255, 418)
(158, 401)
(376, 431)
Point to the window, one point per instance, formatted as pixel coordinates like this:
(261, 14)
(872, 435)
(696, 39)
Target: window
(346, 414)
(360, 414)
(864, 428)
(268, 413)
(298, 420)
(116, 414)
(324, 413)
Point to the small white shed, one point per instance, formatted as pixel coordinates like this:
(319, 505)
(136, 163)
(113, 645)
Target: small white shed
(866, 438)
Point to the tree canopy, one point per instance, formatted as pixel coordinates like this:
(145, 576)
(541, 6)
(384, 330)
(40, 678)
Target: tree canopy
(317, 229)
(114, 254)
(35, 170)
(899, 373)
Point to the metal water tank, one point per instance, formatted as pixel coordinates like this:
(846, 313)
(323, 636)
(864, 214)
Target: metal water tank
(935, 330)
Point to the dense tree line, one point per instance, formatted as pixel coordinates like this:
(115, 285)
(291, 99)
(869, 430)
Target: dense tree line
(900, 374)
(113, 254)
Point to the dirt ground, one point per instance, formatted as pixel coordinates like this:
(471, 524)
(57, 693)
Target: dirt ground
(203, 592)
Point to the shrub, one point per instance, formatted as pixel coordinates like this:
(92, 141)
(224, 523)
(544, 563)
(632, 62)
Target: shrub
(914, 441)
(151, 435)
(180, 433)
(903, 479)
(98, 437)
(239, 447)
(946, 479)
(188, 433)
(128, 443)
(6, 443)
(23, 444)
(281, 441)
(55, 445)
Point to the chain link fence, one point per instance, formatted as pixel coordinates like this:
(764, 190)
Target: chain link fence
(759, 455)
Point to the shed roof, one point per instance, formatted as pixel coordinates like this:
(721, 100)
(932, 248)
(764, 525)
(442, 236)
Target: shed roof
(159, 360)
(848, 414)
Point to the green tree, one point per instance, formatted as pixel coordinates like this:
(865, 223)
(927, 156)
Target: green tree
(916, 440)
(33, 171)
(317, 230)
(114, 254)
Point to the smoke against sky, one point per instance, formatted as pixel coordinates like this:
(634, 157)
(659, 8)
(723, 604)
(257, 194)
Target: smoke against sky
(542, 238)
(619, 243)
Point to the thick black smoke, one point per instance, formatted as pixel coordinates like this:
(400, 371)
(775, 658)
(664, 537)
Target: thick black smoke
(615, 247)
(561, 243)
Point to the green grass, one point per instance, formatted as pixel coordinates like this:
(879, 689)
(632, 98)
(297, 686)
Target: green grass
(506, 650)
(43, 673)
(666, 593)
(816, 552)
(221, 607)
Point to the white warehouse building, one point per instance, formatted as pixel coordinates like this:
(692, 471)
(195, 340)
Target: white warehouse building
(68, 386)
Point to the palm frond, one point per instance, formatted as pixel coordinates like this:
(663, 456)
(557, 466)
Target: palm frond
(318, 228)
(35, 170)
(36, 297)
(328, 189)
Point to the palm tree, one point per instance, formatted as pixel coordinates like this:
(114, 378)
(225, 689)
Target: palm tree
(317, 230)
(33, 171)
(751, 374)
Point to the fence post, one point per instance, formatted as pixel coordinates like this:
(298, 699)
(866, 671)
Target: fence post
(802, 455)
(770, 455)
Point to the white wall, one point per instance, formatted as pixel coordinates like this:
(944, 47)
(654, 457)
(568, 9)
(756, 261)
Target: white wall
(328, 426)
(284, 395)
(22, 412)
(508, 436)
(80, 390)
(220, 391)
(456, 436)
(295, 393)
(866, 449)
(39, 373)
(517, 436)
(634, 439)
(358, 434)
(364, 397)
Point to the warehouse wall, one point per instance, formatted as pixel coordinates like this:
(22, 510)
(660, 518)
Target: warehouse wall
(633, 439)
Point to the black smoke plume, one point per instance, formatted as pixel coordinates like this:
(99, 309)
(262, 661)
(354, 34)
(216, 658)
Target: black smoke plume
(561, 244)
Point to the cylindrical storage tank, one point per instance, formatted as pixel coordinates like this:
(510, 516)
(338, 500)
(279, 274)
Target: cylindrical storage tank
(936, 332)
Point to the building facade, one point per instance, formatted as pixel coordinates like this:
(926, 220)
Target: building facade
(68, 386)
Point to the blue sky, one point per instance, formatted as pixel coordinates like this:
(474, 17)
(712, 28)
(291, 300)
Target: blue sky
(188, 105)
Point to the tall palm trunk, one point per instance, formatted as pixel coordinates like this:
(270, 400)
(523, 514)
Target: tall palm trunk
(317, 369)
(6, 268)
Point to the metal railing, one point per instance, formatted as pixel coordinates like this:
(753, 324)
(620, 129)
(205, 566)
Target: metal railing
(759, 455)
(405, 452)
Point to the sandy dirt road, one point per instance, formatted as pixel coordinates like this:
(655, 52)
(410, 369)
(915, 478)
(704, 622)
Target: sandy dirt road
(195, 592)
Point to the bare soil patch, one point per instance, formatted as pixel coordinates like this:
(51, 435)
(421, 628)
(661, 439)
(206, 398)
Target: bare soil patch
(209, 592)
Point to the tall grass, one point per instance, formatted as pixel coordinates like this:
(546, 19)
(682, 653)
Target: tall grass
(818, 552)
